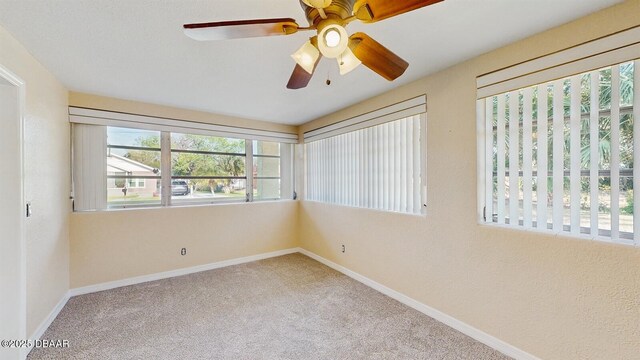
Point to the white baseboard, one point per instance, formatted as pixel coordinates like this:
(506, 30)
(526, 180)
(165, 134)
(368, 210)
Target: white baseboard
(450, 321)
(173, 273)
(44, 325)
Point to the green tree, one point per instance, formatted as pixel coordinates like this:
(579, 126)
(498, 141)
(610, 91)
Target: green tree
(147, 157)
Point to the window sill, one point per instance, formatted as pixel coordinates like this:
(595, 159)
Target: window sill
(181, 206)
(564, 234)
(421, 215)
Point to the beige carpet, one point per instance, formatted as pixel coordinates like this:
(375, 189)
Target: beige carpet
(290, 307)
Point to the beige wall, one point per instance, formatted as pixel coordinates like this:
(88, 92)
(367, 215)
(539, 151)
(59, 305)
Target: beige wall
(554, 297)
(116, 245)
(46, 180)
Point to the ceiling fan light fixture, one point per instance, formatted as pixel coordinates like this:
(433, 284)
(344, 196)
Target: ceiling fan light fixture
(307, 56)
(347, 62)
(333, 40)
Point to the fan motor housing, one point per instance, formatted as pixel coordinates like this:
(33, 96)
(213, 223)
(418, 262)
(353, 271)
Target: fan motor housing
(341, 9)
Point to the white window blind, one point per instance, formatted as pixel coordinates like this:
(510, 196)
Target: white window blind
(379, 167)
(560, 156)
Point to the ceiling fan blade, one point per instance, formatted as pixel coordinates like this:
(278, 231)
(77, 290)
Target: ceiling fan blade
(377, 57)
(239, 29)
(369, 11)
(300, 77)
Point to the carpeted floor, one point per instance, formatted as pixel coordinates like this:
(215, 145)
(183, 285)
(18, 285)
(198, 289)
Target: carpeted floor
(290, 307)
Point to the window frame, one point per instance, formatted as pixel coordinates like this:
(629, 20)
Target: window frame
(257, 177)
(165, 177)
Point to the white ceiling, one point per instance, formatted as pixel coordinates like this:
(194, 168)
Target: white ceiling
(135, 49)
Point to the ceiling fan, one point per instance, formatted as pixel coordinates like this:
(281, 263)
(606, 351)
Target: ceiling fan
(329, 19)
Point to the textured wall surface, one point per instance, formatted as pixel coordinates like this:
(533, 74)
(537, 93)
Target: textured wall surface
(47, 180)
(116, 245)
(554, 297)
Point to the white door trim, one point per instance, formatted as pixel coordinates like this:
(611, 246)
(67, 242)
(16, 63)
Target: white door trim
(14, 80)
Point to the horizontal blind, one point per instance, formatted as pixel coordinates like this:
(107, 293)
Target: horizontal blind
(606, 51)
(578, 152)
(378, 167)
(109, 118)
(407, 108)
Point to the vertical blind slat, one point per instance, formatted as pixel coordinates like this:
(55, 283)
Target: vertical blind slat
(558, 155)
(417, 165)
(527, 156)
(411, 169)
(574, 152)
(385, 166)
(357, 163)
(542, 157)
(615, 152)
(501, 158)
(489, 160)
(370, 151)
(361, 168)
(313, 184)
(392, 166)
(351, 169)
(514, 168)
(594, 157)
(636, 151)
(380, 170)
(399, 184)
(422, 175)
(403, 167)
(330, 173)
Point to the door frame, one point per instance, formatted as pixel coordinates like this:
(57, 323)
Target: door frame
(16, 81)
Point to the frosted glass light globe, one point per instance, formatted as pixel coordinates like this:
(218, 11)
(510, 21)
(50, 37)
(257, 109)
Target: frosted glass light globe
(332, 38)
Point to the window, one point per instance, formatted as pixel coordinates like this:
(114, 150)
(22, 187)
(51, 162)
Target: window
(560, 155)
(377, 167)
(136, 184)
(266, 170)
(170, 166)
(209, 167)
(133, 157)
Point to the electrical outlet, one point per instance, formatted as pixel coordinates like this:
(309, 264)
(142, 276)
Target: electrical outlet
(344, 249)
(183, 252)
